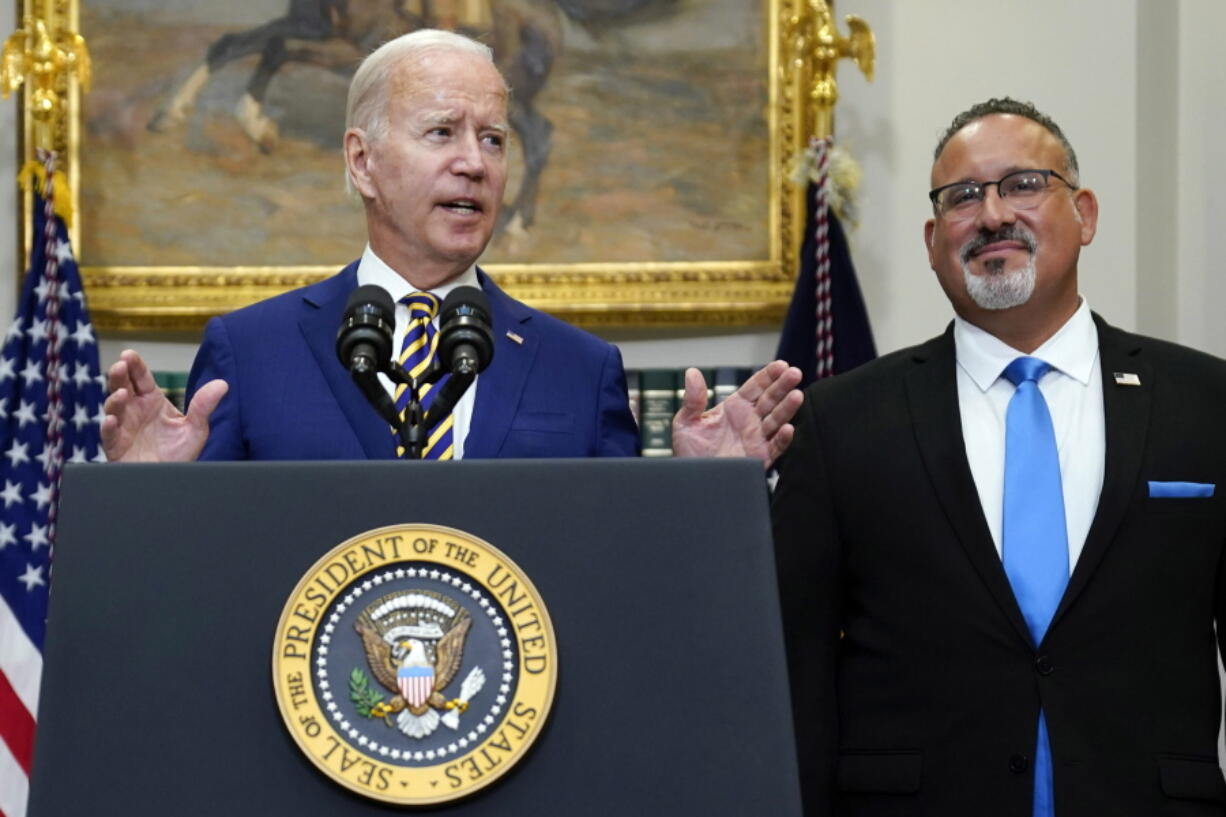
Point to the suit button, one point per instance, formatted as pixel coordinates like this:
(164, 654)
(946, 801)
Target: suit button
(1018, 764)
(1043, 665)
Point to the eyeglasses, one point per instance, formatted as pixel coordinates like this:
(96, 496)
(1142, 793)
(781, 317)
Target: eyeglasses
(1023, 188)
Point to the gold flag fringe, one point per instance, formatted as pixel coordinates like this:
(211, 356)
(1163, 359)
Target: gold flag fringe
(33, 171)
(843, 180)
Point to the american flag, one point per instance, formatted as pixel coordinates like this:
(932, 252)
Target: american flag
(51, 393)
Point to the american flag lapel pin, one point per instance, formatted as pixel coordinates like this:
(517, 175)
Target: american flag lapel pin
(520, 340)
(1126, 379)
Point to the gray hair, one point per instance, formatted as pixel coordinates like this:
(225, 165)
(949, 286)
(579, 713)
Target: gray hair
(367, 104)
(1005, 105)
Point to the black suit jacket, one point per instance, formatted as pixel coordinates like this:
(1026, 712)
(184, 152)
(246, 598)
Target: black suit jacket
(927, 704)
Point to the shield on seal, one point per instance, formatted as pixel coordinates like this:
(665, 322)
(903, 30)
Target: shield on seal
(416, 684)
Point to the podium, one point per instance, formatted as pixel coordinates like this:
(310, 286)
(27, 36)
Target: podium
(169, 580)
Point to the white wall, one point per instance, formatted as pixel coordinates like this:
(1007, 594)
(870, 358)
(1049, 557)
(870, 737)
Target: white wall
(1136, 84)
(1193, 154)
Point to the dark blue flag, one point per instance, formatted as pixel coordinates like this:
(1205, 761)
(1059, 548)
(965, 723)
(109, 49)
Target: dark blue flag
(51, 393)
(850, 331)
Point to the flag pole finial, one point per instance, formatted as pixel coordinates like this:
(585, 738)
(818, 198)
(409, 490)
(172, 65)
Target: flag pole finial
(45, 56)
(817, 47)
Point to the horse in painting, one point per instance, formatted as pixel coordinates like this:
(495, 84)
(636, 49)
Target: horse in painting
(526, 37)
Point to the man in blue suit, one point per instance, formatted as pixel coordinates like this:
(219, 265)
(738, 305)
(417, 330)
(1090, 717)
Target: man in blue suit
(425, 149)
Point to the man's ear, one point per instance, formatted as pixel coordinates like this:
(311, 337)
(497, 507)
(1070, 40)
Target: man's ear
(358, 162)
(929, 228)
(1087, 211)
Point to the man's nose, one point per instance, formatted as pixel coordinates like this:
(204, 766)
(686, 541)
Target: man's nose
(469, 160)
(995, 211)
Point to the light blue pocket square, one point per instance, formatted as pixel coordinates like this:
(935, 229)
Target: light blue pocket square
(1180, 490)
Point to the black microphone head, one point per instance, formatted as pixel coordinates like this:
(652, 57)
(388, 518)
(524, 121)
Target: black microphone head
(364, 339)
(374, 295)
(466, 341)
(465, 300)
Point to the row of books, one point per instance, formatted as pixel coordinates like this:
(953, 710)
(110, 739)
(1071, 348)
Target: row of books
(655, 396)
(173, 385)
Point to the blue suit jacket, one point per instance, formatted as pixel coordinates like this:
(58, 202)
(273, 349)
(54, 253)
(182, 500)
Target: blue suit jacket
(559, 393)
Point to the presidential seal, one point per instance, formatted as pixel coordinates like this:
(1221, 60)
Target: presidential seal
(414, 664)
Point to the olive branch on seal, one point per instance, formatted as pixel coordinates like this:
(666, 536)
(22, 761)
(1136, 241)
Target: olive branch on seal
(363, 697)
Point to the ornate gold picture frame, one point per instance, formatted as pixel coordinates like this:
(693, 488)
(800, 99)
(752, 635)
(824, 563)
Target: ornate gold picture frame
(666, 192)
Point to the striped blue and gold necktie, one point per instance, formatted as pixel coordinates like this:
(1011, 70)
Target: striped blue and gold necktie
(416, 353)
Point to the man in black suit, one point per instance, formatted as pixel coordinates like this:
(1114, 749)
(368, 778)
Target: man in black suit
(925, 679)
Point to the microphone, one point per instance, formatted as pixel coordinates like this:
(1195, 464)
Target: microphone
(465, 342)
(364, 344)
(465, 347)
(364, 341)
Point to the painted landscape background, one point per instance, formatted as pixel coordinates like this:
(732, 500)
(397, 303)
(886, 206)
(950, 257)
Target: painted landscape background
(660, 145)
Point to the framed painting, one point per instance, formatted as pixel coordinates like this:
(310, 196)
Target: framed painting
(650, 153)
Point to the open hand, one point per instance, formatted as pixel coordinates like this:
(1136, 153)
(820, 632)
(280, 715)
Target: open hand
(142, 425)
(752, 422)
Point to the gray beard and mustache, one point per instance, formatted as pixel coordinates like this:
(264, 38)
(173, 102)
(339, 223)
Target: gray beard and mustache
(997, 288)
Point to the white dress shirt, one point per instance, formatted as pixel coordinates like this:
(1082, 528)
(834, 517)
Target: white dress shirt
(1074, 393)
(373, 270)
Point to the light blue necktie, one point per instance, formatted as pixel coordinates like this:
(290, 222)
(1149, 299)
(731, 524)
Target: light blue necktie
(416, 353)
(1034, 538)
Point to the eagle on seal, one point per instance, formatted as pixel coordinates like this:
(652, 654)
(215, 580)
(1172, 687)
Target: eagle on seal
(415, 677)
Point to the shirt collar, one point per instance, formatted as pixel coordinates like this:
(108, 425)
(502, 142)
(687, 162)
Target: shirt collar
(374, 270)
(1073, 349)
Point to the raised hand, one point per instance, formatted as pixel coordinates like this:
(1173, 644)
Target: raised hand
(141, 425)
(752, 422)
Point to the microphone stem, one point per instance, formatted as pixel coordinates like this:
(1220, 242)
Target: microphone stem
(411, 431)
(449, 394)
